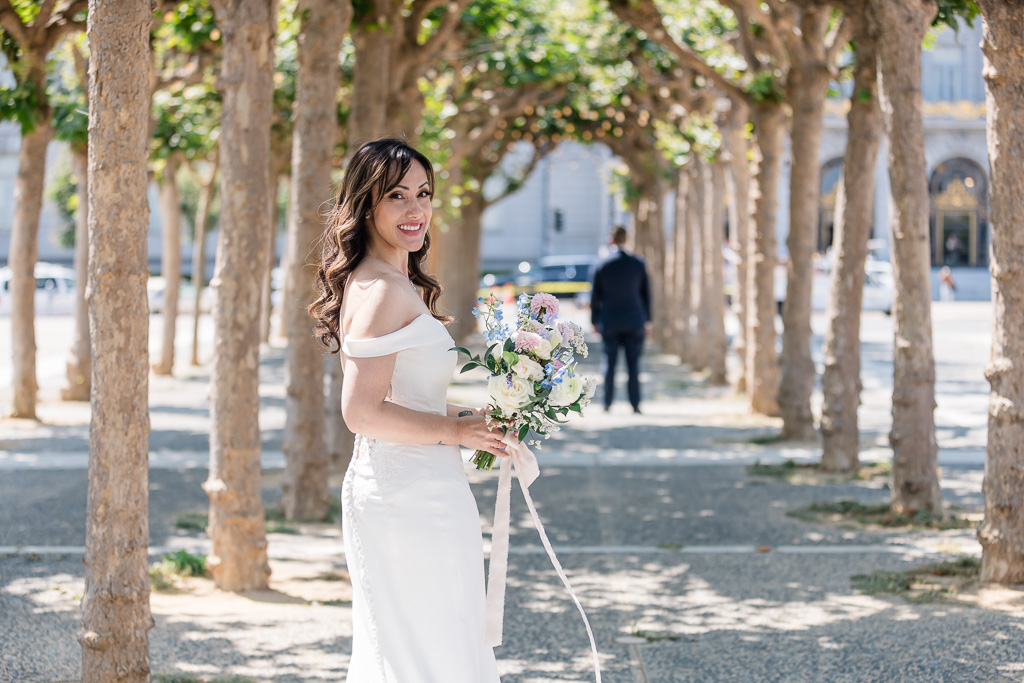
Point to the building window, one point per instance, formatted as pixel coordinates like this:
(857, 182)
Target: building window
(959, 214)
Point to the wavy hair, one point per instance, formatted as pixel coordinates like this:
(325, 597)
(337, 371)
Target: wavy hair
(377, 167)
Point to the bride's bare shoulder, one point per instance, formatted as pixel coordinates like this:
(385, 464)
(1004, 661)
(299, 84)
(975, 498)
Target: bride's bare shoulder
(377, 302)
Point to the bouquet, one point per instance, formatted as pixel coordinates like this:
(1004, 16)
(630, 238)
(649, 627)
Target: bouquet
(533, 382)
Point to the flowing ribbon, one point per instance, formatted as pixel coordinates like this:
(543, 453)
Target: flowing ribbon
(527, 471)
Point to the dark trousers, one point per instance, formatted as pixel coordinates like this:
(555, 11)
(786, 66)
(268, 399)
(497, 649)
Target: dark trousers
(633, 343)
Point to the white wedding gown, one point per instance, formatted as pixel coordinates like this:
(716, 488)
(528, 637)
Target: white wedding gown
(412, 534)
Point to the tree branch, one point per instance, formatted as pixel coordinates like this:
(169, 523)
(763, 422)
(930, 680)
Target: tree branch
(12, 23)
(644, 15)
(514, 184)
(436, 42)
(838, 38)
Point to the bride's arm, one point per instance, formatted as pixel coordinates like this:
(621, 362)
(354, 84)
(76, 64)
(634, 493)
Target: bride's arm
(367, 381)
(453, 410)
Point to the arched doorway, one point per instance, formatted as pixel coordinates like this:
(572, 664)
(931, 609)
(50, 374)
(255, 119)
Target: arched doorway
(831, 172)
(959, 214)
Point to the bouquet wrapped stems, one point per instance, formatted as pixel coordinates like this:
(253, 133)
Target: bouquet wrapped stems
(484, 460)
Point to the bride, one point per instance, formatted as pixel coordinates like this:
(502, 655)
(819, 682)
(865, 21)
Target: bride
(412, 531)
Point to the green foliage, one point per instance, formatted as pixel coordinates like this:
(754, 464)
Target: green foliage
(63, 192)
(949, 10)
(765, 87)
(165, 574)
(23, 102)
(187, 564)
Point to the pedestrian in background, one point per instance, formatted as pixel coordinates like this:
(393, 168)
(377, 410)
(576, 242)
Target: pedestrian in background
(620, 310)
(947, 285)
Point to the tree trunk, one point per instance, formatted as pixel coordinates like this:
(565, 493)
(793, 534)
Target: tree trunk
(458, 251)
(306, 492)
(281, 313)
(714, 298)
(238, 558)
(735, 146)
(762, 363)
(170, 212)
(1002, 533)
(650, 243)
(202, 218)
(79, 364)
(691, 242)
(700, 352)
(680, 301)
(806, 90)
(24, 252)
(902, 25)
(370, 85)
(840, 381)
(115, 609)
(267, 285)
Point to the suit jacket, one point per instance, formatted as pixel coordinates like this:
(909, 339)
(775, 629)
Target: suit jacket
(620, 298)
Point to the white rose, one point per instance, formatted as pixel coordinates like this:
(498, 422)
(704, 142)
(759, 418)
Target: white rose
(555, 337)
(528, 368)
(566, 392)
(509, 398)
(543, 349)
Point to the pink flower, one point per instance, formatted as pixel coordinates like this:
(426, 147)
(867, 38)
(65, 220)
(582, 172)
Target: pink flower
(526, 341)
(544, 306)
(567, 332)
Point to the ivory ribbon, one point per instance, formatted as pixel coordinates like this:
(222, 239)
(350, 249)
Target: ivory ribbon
(527, 472)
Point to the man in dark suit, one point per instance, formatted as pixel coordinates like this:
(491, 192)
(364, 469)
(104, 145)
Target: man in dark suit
(620, 309)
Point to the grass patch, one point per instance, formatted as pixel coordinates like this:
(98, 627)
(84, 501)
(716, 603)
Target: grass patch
(164, 575)
(939, 582)
(276, 523)
(809, 472)
(782, 470)
(335, 603)
(653, 636)
(880, 514)
(192, 521)
(674, 547)
(766, 439)
(278, 528)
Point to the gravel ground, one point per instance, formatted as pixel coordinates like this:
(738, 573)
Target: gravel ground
(689, 568)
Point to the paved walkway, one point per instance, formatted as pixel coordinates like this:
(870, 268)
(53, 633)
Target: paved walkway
(689, 568)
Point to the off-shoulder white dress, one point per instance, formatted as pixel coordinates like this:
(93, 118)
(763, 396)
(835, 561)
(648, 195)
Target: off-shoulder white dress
(412, 534)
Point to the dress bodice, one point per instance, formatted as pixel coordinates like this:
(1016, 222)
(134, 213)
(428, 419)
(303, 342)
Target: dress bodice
(424, 363)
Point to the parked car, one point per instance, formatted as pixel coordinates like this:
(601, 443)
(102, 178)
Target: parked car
(55, 289)
(878, 285)
(563, 276)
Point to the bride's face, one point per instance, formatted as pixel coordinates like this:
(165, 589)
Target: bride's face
(401, 218)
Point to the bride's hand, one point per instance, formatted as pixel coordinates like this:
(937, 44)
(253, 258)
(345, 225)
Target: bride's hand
(475, 433)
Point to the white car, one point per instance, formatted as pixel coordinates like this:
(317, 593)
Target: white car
(55, 289)
(878, 285)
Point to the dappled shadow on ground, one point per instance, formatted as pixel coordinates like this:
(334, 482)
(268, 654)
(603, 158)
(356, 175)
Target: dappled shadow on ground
(758, 618)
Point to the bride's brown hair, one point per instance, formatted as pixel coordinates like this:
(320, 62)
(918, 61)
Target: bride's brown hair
(376, 168)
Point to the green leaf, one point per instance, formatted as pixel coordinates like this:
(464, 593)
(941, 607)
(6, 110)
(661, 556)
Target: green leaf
(510, 345)
(462, 349)
(510, 358)
(469, 366)
(523, 432)
(575, 407)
